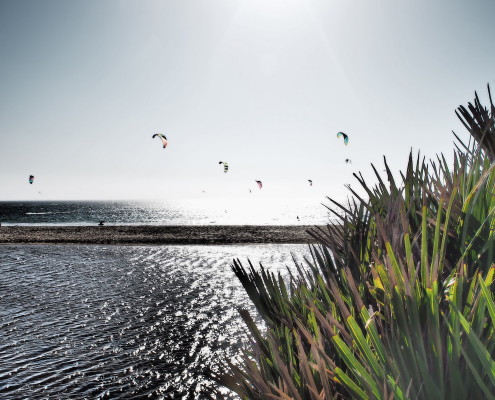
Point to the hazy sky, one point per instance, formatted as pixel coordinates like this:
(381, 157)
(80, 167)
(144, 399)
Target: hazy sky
(262, 84)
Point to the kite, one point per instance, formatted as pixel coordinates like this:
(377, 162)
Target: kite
(348, 161)
(259, 184)
(310, 182)
(346, 138)
(225, 166)
(31, 179)
(163, 137)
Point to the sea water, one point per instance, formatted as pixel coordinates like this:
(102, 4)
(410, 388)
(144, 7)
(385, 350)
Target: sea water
(255, 211)
(123, 322)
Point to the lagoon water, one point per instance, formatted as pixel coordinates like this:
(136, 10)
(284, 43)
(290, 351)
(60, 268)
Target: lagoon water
(122, 322)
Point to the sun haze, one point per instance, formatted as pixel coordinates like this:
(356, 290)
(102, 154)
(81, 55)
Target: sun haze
(263, 85)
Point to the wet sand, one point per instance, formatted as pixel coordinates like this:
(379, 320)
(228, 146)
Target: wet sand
(226, 234)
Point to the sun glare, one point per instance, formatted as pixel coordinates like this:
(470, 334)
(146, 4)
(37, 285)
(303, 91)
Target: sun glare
(274, 9)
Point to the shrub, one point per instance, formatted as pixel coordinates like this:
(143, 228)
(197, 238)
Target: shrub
(396, 300)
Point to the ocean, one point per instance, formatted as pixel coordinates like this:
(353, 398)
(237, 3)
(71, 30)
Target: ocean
(189, 212)
(123, 322)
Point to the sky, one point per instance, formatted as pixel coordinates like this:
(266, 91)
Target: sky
(264, 85)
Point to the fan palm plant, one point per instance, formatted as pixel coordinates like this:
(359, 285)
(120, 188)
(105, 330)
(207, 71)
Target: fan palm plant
(396, 300)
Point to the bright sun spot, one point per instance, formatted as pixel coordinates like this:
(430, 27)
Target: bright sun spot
(274, 9)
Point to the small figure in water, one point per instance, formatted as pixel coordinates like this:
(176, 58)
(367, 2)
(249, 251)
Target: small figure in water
(101, 223)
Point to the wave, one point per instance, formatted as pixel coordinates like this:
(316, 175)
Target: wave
(48, 212)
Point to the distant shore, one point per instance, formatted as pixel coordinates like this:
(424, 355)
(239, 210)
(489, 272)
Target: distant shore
(151, 234)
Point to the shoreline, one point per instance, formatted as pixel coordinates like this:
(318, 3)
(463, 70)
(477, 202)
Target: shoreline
(152, 234)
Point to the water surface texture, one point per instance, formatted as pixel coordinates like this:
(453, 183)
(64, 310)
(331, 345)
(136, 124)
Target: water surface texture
(122, 322)
(194, 212)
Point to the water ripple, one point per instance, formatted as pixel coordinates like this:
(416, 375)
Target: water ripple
(121, 322)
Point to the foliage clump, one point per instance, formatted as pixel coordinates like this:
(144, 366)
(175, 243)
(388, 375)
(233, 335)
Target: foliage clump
(397, 300)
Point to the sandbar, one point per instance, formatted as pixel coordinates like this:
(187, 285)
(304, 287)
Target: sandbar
(152, 234)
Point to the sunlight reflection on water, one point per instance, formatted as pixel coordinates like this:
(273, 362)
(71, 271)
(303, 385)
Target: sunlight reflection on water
(122, 321)
(255, 211)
